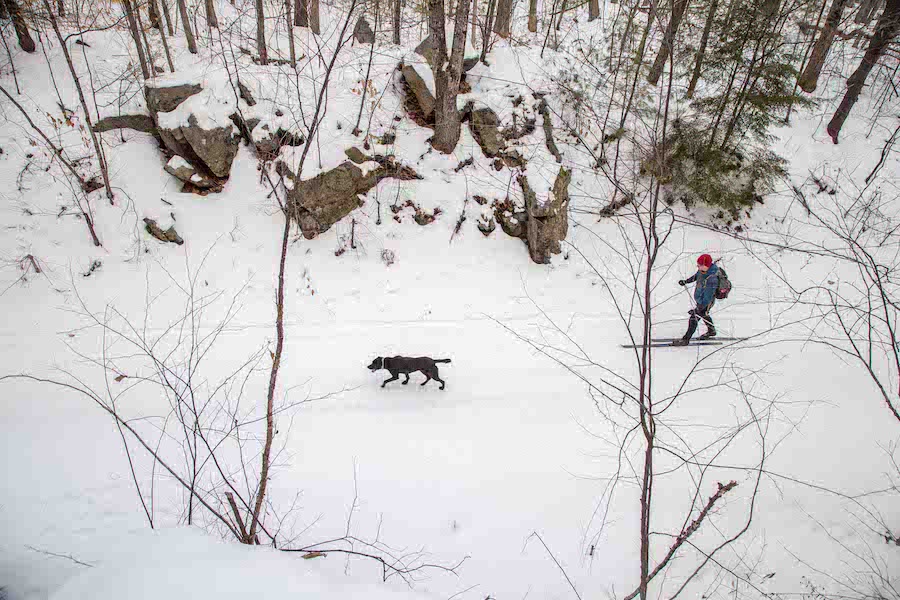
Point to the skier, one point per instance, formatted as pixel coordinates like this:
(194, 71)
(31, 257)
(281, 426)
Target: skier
(707, 278)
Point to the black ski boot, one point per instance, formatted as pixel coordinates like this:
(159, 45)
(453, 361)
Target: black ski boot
(710, 333)
(681, 342)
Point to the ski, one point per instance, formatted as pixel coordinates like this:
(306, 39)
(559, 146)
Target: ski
(697, 339)
(669, 344)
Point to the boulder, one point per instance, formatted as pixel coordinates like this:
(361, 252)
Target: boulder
(167, 99)
(422, 95)
(318, 203)
(142, 123)
(485, 128)
(548, 218)
(356, 155)
(363, 33)
(215, 147)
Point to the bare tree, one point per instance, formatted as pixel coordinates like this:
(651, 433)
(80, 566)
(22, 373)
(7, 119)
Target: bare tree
(810, 77)
(186, 26)
(532, 14)
(504, 18)
(396, 18)
(593, 10)
(136, 36)
(168, 17)
(887, 28)
(260, 32)
(101, 159)
(15, 13)
(447, 73)
(165, 41)
(678, 8)
(314, 24)
(701, 50)
(292, 48)
(211, 19)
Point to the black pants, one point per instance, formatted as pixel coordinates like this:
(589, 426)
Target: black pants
(701, 312)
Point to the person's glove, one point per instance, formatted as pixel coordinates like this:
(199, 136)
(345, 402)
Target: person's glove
(681, 282)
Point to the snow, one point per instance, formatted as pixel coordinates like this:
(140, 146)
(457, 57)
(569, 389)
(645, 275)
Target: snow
(516, 444)
(177, 162)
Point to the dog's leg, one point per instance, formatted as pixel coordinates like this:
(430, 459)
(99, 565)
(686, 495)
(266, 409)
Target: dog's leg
(394, 377)
(407, 379)
(427, 380)
(441, 380)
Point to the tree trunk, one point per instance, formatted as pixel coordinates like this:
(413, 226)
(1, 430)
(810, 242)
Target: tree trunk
(504, 16)
(593, 10)
(701, 51)
(866, 11)
(186, 26)
(668, 41)
(260, 32)
(314, 16)
(290, 32)
(104, 170)
(447, 74)
(60, 8)
(486, 29)
(886, 29)
(532, 15)
(4, 14)
(136, 36)
(153, 15)
(211, 19)
(301, 15)
(397, 13)
(168, 18)
(162, 34)
(810, 77)
(15, 13)
(474, 11)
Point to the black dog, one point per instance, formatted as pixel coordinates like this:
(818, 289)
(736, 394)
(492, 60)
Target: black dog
(406, 365)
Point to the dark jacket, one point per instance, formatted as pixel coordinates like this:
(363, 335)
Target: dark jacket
(707, 284)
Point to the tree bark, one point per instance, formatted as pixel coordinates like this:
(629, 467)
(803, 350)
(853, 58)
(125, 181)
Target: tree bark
(15, 13)
(701, 51)
(866, 11)
(153, 15)
(168, 17)
(593, 10)
(162, 34)
(290, 32)
(886, 29)
(211, 18)
(665, 50)
(301, 15)
(447, 74)
(532, 15)
(486, 29)
(504, 16)
(60, 8)
(314, 16)
(186, 25)
(260, 32)
(474, 11)
(104, 170)
(4, 14)
(136, 36)
(397, 13)
(810, 77)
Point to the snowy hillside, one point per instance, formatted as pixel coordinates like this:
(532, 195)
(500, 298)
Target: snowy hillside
(136, 371)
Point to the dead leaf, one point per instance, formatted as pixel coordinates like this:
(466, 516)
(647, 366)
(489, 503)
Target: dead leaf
(120, 378)
(309, 555)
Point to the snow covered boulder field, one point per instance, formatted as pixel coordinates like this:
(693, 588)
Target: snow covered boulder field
(209, 233)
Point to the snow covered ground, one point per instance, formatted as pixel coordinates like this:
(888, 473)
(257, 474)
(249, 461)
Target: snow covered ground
(515, 446)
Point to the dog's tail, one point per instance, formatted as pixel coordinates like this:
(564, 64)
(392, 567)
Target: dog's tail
(442, 360)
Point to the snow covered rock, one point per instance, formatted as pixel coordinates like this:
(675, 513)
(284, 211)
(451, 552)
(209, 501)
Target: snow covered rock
(485, 127)
(214, 149)
(363, 33)
(548, 218)
(167, 99)
(424, 98)
(142, 123)
(180, 168)
(320, 202)
(168, 235)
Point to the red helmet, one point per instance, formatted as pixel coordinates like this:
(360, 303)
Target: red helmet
(705, 260)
